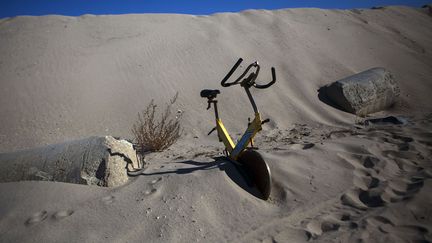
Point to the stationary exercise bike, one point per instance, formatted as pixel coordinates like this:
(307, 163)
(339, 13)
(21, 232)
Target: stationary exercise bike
(247, 158)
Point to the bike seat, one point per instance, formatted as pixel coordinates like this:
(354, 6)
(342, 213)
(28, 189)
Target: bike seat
(209, 93)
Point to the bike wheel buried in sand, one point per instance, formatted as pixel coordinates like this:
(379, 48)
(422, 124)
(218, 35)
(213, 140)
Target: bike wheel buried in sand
(257, 170)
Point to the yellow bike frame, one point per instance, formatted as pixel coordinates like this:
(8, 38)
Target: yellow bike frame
(238, 153)
(235, 149)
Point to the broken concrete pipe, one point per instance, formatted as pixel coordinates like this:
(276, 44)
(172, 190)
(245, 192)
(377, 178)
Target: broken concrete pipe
(364, 93)
(101, 161)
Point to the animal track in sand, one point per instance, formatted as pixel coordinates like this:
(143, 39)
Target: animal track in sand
(108, 199)
(62, 214)
(42, 215)
(153, 182)
(37, 217)
(150, 191)
(298, 146)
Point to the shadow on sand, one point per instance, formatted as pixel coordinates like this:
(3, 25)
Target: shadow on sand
(323, 97)
(236, 173)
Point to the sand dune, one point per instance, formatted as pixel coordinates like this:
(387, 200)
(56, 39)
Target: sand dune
(66, 78)
(72, 77)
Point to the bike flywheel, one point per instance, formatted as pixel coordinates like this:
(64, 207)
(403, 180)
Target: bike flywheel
(257, 170)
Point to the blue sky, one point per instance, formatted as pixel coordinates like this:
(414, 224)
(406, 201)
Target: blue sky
(10, 8)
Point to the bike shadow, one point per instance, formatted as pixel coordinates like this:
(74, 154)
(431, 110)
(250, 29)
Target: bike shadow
(237, 174)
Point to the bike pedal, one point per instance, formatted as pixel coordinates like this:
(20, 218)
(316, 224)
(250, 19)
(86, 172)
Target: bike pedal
(214, 128)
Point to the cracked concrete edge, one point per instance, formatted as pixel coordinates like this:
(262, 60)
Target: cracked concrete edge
(102, 161)
(121, 158)
(366, 92)
(124, 149)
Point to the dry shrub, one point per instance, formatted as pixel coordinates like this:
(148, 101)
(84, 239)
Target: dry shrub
(154, 132)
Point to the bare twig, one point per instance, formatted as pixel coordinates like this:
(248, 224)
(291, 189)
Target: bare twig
(156, 133)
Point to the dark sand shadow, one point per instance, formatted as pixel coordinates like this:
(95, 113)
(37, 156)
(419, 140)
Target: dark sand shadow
(323, 97)
(234, 172)
(239, 176)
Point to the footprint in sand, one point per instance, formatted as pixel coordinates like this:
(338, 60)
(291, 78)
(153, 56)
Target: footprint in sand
(371, 198)
(363, 199)
(351, 199)
(366, 182)
(427, 173)
(343, 133)
(319, 226)
(409, 155)
(150, 191)
(351, 225)
(402, 188)
(108, 199)
(370, 162)
(345, 217)
(298, 146)
(366, 194)
(407, 165)
(380, 222)
(424, 138)
(402, 138)
(369, 192)
(427, 143)
(405, 186)
(363, 161)
(153, 182)
(37, 217)
(62, 214)
(413, 230)
(409, 233)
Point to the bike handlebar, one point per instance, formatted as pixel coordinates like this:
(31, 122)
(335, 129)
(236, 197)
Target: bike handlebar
(250, 80)
(230, 73)
(264, 86)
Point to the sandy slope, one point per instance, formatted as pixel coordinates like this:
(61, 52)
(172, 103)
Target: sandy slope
(72, 77)
(66, 77)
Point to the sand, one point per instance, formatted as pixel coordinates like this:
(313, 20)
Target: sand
(65, 78)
